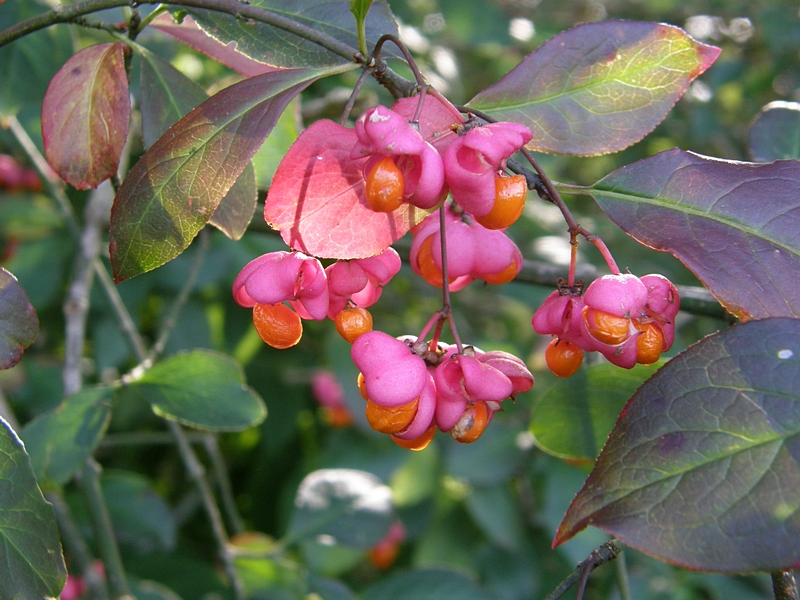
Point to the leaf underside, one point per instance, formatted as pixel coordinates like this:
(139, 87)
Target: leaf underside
(19, 324)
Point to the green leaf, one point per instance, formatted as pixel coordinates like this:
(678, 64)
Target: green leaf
(573, 418)
(30, 552)
(141, 518)
(174, 189)
(497, 513)
(19, 324)
(425, 584)
(360, 8)
(59, 441)
(201, 389)
(278, 48)
(352, 508)
(701, 469)
(235, 210)
(733, 224)
(85, 115)
(284, 134)
(775, 132)
(142, 589)
(598, 87)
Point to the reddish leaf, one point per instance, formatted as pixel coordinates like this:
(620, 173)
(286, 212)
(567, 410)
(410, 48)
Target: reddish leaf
(173, 190)
(85, 115)
(701, 470)
(598, 87)
(19, 324)
(235, 210)
(735, 225)
(190, 34)
(317, 199)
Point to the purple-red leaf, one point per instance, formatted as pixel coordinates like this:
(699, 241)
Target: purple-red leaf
(85, 115)
(190, 34)
(701, 470)
(19, 324)
(735, 225)
(171, 193)
(598, 87)
(317, 199)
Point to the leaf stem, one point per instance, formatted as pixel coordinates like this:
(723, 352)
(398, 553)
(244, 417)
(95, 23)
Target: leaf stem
(447, 310)
(89, 480)
(223, 482)
(784, 585)
(623, 582)
(608, 551)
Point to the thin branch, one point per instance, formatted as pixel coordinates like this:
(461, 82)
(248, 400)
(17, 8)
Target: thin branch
(223, 482)
(608, 551)
(784, 585)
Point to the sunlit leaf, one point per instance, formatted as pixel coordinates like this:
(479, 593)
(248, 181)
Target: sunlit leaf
(775, 132)
(202, 389)
(317, 199)
(30, 550)
(425, 584)
(360, 8)
(573, 418)
(19, 324)
(276, 47)
(167, 95)
(85, 115)
(59, 441)
(735, 225)
(173, 190)
(702, 468)
(269, 156)
(598, 87)
(189, 33)
(349, 507)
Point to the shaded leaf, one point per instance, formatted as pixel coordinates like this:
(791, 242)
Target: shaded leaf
(141, 518)
(142, 589)
(59, 441)
(190, 34)
(573, 418)
(19, 324)
(317, 199)
(235, 210)
(702, 468)
(85, 115)
(425, 584)
(598, 87)
(775, 132)
(735, 225)
(279, 48)
(202, 389)
(30, 552)
(352, 507)
(173, 190)
(167, 95)
(497, 513)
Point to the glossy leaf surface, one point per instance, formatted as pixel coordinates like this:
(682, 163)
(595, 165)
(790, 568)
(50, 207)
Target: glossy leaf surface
(701, 469)
(598, 87)
(317, 199)
(59, 441)
(30, 550)
(735, 225)
(173, 190)
(167, 95)
(279, 48)
(202, 389)
(19, 324)
(573, 418)
(85, 115)
(425, 584)
(190, 34)
(775, 132)
(351, 507)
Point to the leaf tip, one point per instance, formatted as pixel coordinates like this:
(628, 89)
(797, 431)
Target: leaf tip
(706, 55)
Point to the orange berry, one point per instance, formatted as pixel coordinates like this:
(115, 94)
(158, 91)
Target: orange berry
(418, 443)
(278, 325)
(337, 416)
(509, 200)
(563, 358)
(472, 424)
(504, 276)
(427, 268)
(391, 419)
(383, 555)
(605, 327)
(352, 322)
(384, 187)
(361, 387)
(649, 344)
